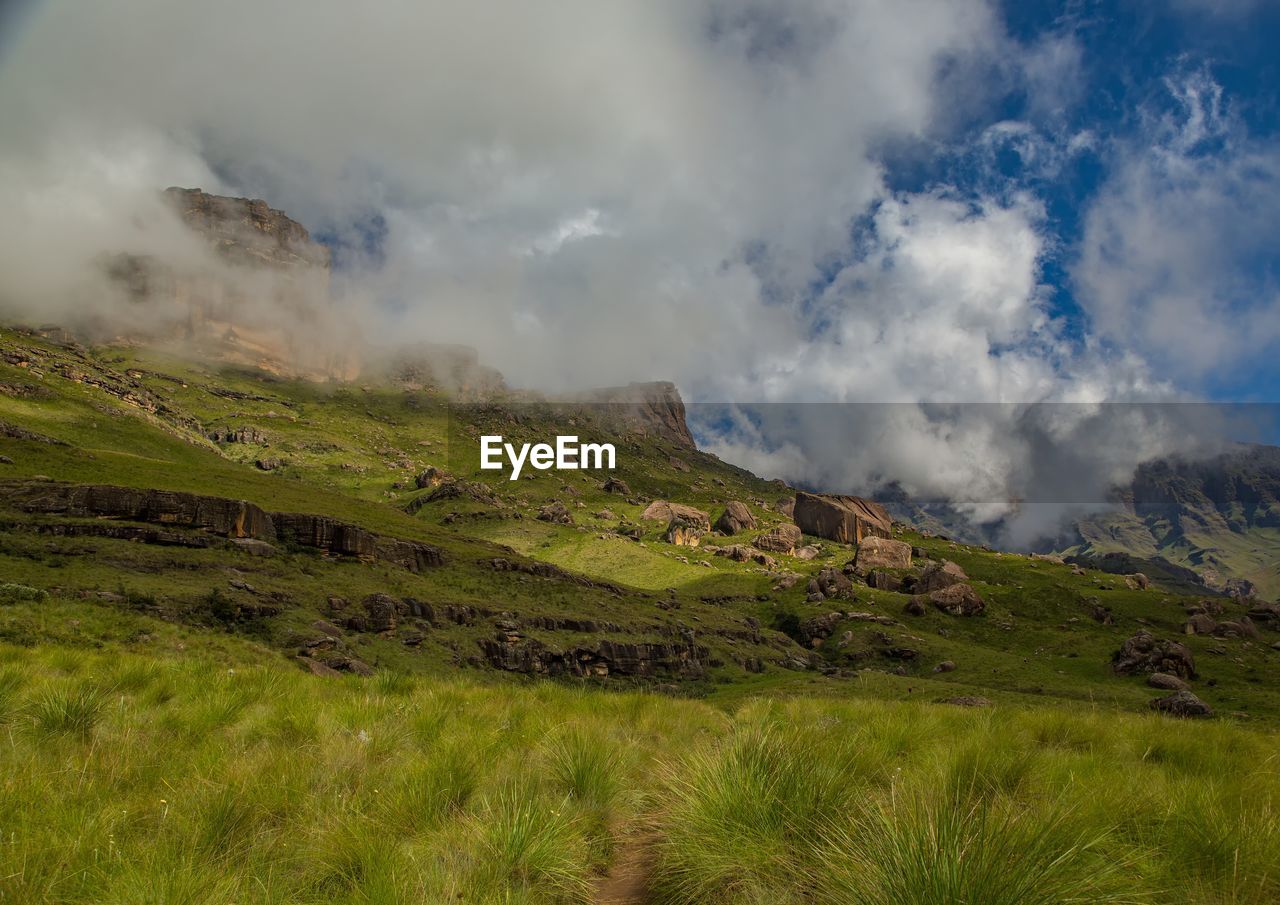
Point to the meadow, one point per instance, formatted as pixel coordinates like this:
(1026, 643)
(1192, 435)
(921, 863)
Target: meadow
(177, 779)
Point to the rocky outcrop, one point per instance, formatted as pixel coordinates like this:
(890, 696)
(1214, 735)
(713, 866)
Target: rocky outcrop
(684, 532)
(654, 409)
(512, 651)
(1144, 653)
(556, 513)
(958, 600)
(781, 539)
(882, 553)
(844, 519)
(939, 575)
(736, 518)
(235, 519)
(665, 511)
(1182, 704)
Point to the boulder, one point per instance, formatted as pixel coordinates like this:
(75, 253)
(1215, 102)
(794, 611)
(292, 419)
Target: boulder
(831, 583)
(882, 553)
(945, 666)
(914, 607)
(844, 519)
(786, 505)
(884, 581)
(665, 511)
(819, 628)
(744, 553)
(782, 539)
(432, 477)
(1182, 704)
(1200, 624)
(958, 600)
(1166, 682)
(735, 519)
(683, 532)
(807, 552)
(1137, 582)
(1144, 653)
(939, 575)
(556, 513)
(616, 485)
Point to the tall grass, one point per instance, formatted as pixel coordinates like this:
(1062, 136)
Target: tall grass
(126, 779)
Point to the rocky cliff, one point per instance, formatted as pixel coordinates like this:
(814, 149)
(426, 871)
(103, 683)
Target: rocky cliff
(258, 294)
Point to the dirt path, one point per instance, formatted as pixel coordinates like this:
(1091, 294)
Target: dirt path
(627, 882)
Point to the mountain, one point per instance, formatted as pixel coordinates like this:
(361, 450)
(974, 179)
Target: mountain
(1219, 517)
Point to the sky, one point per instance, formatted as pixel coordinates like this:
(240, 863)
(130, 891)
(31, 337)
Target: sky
(940, 201)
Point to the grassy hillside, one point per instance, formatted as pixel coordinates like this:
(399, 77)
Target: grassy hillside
(176, 778)
(560, 710)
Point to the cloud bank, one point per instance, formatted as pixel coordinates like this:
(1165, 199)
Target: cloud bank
(694, 190)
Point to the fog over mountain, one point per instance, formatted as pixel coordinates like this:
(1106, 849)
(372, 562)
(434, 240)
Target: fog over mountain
(713, 193)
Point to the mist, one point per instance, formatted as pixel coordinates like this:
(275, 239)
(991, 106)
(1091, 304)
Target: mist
(591, 194)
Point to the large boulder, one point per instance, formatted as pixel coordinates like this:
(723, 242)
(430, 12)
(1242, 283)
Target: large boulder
(683, 532)
(831, 583)
(844, 519)
(782, 539)
(736, 518)
(786, 505)
(665, 511)
(616, 485)
(958, 600)
(1145, 653)
(432, 477)
(1182, 704)
(939, 575)
(882, 553)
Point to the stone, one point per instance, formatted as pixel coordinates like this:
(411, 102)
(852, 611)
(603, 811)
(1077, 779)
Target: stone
(616, 485)
(683, 532)
(939, 575)
(914, 607)
(556, 513)
(781, 539)
(807, 552)
(831, 583)
(1200, 624)
(958, 600)
(1144, 653)
(1182, 704)
(1166, 682)
(665, 511)
(786, 505)
(945, 666)
(819, 628)
(1137, 582)
(882, 553)
(269, 464)
(881, 580)
(431, 478)
(735, 519)
(844, 519)
(382, 611)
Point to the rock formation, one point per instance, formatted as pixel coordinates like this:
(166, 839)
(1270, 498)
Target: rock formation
(844, 519)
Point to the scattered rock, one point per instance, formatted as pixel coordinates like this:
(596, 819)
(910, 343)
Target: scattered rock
(782, 539)
(945, 666)
(556, 513)
(616, 485)
(735, 519)
(270, 464)
(939, 575)
(831, 583)
(807, 552)
(1144, 653)
(882, 552)
(683, 532)
(958, 600)
(1166, 682)
(967, 700)
(665, 511)
(1182, 704)
(432, 477)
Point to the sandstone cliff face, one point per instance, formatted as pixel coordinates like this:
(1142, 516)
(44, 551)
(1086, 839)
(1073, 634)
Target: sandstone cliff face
(258, 296)
(653, 408)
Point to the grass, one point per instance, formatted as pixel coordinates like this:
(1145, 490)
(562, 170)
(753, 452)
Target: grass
(139, 778)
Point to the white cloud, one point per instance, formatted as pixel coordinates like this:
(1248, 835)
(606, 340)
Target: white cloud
(1173, 258)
